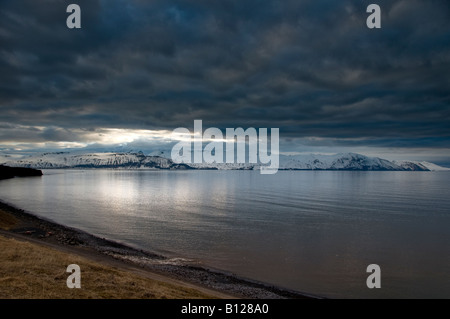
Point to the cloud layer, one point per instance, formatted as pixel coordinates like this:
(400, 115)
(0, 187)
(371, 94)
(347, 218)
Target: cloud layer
(310, 67)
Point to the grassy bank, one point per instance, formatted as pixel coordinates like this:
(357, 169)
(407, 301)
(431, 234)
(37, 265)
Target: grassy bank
(31, 270)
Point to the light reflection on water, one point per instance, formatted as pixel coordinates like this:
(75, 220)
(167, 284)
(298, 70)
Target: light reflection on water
(310, 231)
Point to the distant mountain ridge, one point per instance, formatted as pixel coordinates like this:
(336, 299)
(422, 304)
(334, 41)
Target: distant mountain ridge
(137, 160)
(352, 161)
(95, 160)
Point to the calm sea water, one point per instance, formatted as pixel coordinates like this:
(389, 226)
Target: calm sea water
(314, 232)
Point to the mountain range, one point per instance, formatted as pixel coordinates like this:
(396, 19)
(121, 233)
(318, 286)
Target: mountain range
(137, 160)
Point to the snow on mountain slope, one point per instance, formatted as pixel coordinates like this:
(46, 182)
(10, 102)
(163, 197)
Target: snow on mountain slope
(342, 161)
(434, 167)
(95, 160)
(426, 166)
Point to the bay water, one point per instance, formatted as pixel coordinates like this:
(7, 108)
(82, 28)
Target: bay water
(310, 231)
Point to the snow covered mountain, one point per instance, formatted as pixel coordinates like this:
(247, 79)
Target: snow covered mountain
(95, 160)
(342, 161)
(426, 166)
(346, 161)
(352, 161)
(135, 160)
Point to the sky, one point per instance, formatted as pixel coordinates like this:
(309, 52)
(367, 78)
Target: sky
(136, 70)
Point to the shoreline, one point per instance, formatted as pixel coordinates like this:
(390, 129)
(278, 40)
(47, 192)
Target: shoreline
(215, 282)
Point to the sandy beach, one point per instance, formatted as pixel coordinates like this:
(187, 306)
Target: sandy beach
(35, 254)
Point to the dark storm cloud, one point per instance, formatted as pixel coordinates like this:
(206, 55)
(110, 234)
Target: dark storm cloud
(311, 68)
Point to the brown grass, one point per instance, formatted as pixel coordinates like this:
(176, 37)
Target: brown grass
(29, 270)
(7, 220)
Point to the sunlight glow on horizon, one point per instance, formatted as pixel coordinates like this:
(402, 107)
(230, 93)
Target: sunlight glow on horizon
(121, 136)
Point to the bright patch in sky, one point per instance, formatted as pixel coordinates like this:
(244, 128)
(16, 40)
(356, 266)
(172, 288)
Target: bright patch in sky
(121, 136)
